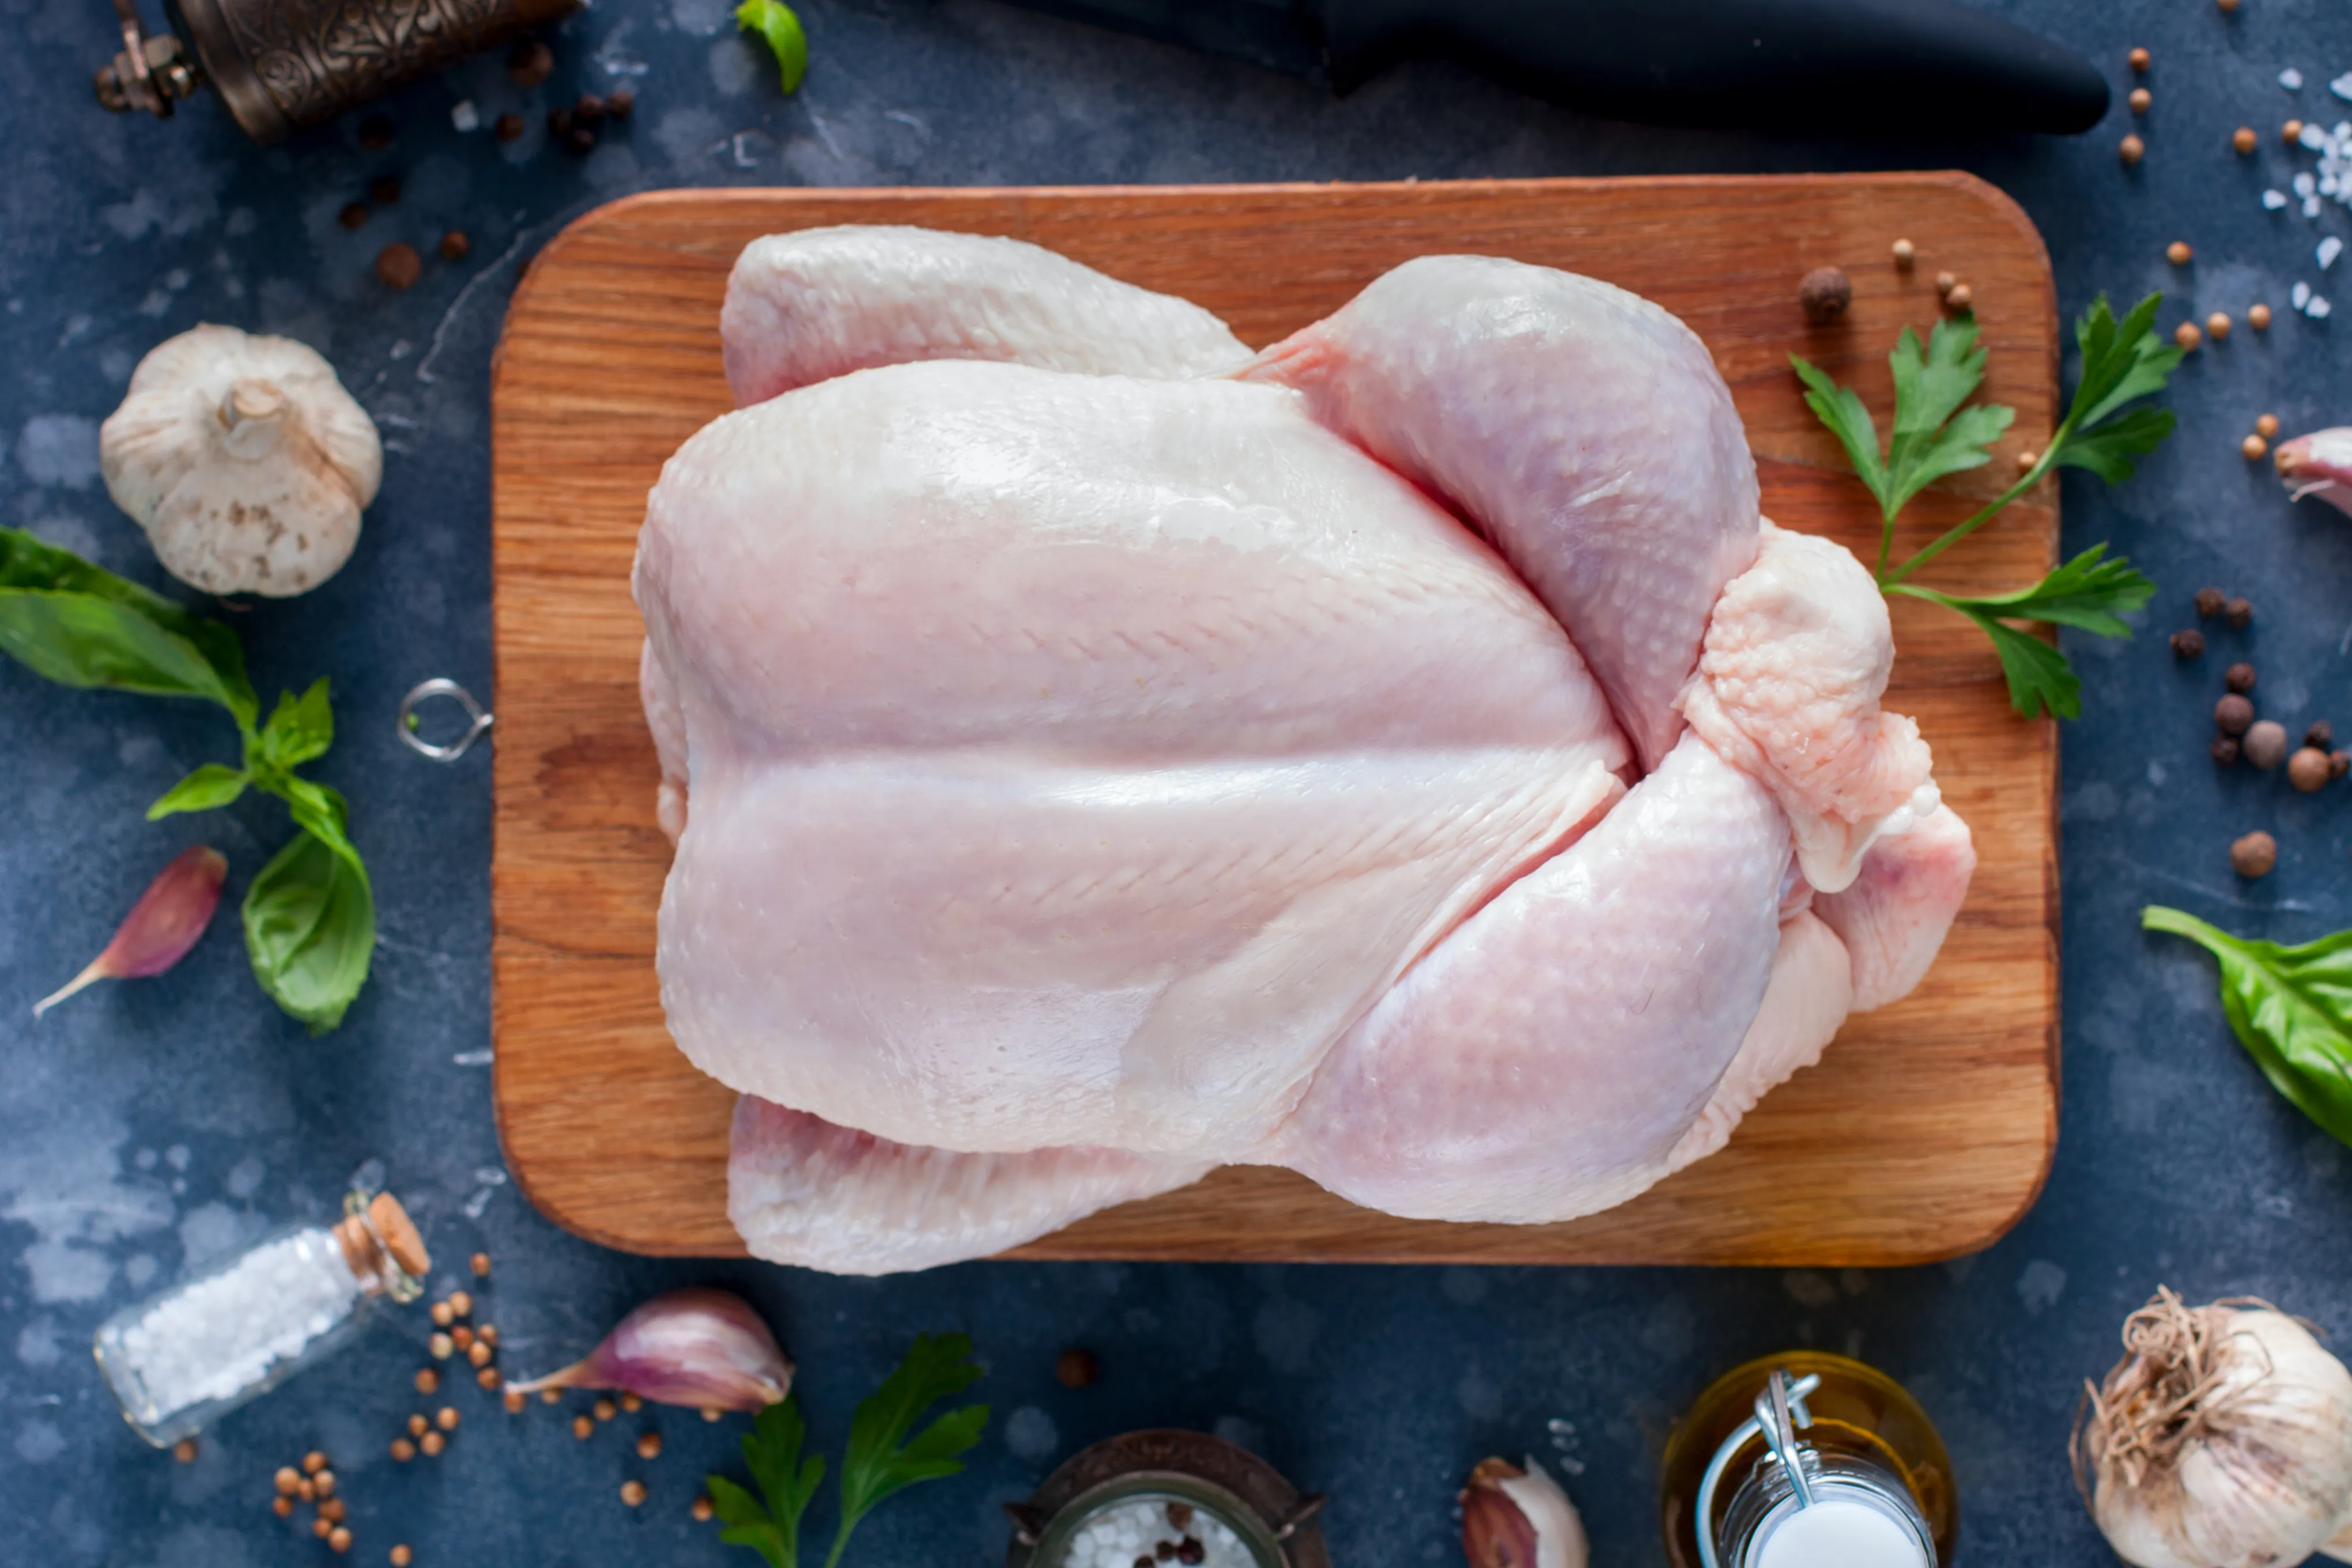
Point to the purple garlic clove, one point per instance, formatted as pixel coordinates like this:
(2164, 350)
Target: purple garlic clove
(1514, 1517)
(2319, 464)
(699, 1347)
(160, 928)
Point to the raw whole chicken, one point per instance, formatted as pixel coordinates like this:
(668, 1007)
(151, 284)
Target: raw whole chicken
(1095, 754)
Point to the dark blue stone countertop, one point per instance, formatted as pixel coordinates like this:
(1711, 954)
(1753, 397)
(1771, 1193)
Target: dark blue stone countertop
(148, 1128)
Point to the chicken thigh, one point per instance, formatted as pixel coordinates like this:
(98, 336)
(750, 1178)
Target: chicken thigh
(1122, 755)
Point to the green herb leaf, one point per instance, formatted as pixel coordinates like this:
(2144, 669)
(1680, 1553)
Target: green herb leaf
(2038, 675)
(781, 29)
(81, 625)
(747, 1523)
(299, 728)
(1841, 409)
(2108, 451)
(2121, 361)
(309, 915)
(208, 788)
(2089, 592)
(2291, 1008)
(881, 1459)
(1933, 436)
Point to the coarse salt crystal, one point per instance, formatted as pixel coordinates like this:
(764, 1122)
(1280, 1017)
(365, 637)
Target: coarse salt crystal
(2317, 309)
(2301, 295)
(2273, 200)
(465, 116)
(2342, 86)
(2304, 183)
(2311, 207)
(2312, 136)
(2329, 250)
(2291, 79)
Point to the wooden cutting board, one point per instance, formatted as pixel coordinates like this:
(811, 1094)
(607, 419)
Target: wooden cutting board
(1927, 1127)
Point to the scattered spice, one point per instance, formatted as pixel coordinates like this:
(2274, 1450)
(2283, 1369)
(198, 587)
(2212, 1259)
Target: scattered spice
(2131, 150)
(2254, 855)
(479, 1353)
(2228, 6)
(481, 1261)
(446, 1417)
(2216, 325)
(2239, 613)
(633, 1493)
(2225, 749)
(2265, 744)
(488, 1379)
(701, 1510)
(184, 1450)
(2321, 734)
(332, 1510)
(443, 1313)
(1960, 298)
(583, 1428)
(1946, 283)
(2233, 715)
(2138, 58)
(2243, 139)
(454, 247)
(2241, 677)
(1905, 253)
(322, 1528)
(288, 1480)
(1824, 293)
(403, 1451)
(2139, 100)
(283, 1507)
(507, 128)
(375, 132)
(619, 103)
(2267, 426)
(2189, 644)
(340, 1539)
(632, 1402)
(713, 1413)
(308, 1493)
(324, 1483)
(1076, 1368)
(461, 1303)
(462, 1337)
(605, 1409)
(2178, 254)
(488, 1334)
(418, 1425)
(442, 1346)
(384, 190)
(2027, 461)
(400, 1556)
(431, 1444)
(313, 1462)
(2252, 447)
(2258, 316)
(397, 266)
(2309, 768)
(650, 1443)
(515, 1403)
(2211, 601)
(549, 1395)
(588, 110)
(531, 63)
(2291, 132)
(354, 216)
(2187, 337)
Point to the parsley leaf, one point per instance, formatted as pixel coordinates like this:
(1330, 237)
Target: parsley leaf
(881, 1459)
(772, 1449)
(2090, 593)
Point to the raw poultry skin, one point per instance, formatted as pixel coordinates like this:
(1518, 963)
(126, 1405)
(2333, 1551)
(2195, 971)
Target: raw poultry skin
(1121, 756)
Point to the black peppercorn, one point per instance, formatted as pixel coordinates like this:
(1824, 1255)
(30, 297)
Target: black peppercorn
(589, 109)
(2321, 736)
(375, 132)
(2233, 715)
(582, 140)
(619, 103)
(2189, 644)
(2239, 677)
(353, 216)
(385, 190)
(531, 63)
(507, 128)
(2239, 613)
(2225, 750)
(2210, 602)
(1076, 1368)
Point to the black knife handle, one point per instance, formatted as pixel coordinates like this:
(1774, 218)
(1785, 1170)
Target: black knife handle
(1875, 67)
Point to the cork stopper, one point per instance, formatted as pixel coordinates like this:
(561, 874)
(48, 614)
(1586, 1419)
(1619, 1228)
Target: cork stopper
(400, 1237)
(383, 1241)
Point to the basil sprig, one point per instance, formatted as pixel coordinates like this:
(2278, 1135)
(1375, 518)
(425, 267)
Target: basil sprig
(309, 915)
(2291, 1008)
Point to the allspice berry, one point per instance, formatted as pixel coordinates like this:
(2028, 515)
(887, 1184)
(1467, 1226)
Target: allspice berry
(2239, 613)
(2233, 715)
(2189, 644)
(1824, 293)
(2265, 743)
(399, 265)
(2211, 601)
(1076, 1368)
(2241, 677)
(619, 103)
(507, 128)
(2309, 770)
(2253, 855)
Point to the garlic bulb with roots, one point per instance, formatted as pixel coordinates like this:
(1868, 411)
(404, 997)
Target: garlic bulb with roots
(2223, 1439)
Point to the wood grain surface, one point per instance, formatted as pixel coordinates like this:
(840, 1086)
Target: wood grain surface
(1929, 1125)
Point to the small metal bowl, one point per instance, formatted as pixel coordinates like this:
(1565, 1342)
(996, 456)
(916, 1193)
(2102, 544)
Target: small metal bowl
(1276, 1522)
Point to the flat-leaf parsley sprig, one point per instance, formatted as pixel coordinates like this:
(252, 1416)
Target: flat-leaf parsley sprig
(880, 1459)
(1937, 433)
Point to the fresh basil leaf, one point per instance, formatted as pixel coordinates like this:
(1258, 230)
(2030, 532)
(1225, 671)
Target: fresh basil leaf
(33, 567)
(781, 29)
(2108, 450)
(82, 639)
(1841, 409)
(747, 1523)
(208, 788)
(881, 1460)
(310, 923)
(299, 728)
(2291, 1008)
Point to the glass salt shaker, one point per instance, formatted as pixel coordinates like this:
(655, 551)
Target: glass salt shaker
(1807, 1457)
(179, 1361)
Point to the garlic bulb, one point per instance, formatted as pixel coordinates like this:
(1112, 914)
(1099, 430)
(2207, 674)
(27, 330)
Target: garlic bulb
(244, 459)
(2223, 1439)
(1514, 1517)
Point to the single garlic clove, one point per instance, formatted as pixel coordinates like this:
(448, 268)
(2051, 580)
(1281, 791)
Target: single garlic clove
(2318, 464)
(1515, 1518)
(160, 928)
(700, 1347)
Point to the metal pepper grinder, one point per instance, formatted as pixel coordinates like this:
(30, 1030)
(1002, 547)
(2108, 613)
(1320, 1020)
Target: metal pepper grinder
(283, 66)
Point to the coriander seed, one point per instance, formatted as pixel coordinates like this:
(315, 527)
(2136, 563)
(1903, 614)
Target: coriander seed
(1944, 282)
(340, 1539)
(487, 1335)
(2138, 58)
(583, 1428)
(2252, 447)
(2243, 139)
(184, 1450)
(313, 1462)
(2228, 6)
(463, 1338)
(2139, 100)
(650, 1445)
(605, 1409)
(633, 1403)
(550, 1397)
(488, 1379)
(288, 1480)
(461, 1303)
(2187, 337)
(309, 1493)
(324, 1483)
(442, 1346)
(2266, 426)
(446, 1417)
(322, 1528)
(633, 1493)
(2131, 150)
(400, 1556)
(283, 1507)
(332, 1510)
(2178, 254)
(1905, 253)
(2026, 460)
(1960, 298)
(403, 1451)
(2216, 325)
(2257, 854)
(427, 1380)
(515, 1403)
(479, 1353)
(431, 1444)
(418, 1425)
(702, 1511)
(2291, 132)
(444, 1315)
(481, 1263)
(712, 1413)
